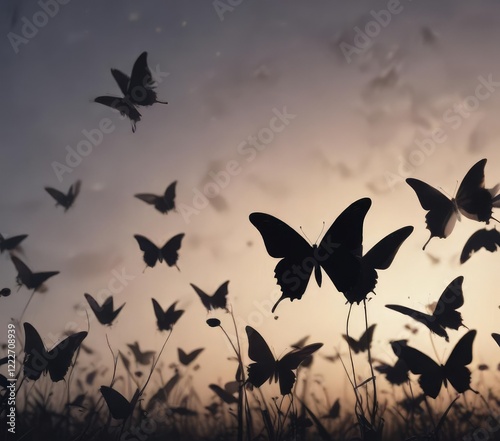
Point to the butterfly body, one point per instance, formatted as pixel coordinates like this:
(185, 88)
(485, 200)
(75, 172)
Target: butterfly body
(167, 253)
(337, 253)
(163, 203)
(66, 200)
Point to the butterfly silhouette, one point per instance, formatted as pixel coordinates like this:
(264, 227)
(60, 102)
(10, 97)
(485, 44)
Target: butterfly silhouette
(11, 243)
(166, 319)
(334, 411)
(28, 278)
(138, 90)
(224, 394)
(105, 313)
(487, 239)
(143, 358)
(187, 359)
(266, 367)
(398, 373)
(119, 407)
(163, 203)
(444, 314)
(216, 301)
(473, 200)
(337, 252)
(65, 200)
(432, 375)
(56, 361)
(364, 341)
(167, 253)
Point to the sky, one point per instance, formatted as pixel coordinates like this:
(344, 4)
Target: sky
(307, 113)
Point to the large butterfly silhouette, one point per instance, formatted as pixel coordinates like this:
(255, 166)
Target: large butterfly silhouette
(487, 239)
(444, 314)
(215, 301)
(166, 319)
(338, 252)
(473, 200)
(433, 375)
(167, 253)
(163, 203)
(105, 313)
(138, 90)
(28, 278)
(364, 341)
(266, 367)
(11, 243)
(56, 361)
(66, 200)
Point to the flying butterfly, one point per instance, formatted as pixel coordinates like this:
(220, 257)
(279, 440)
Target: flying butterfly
(338, 252)
(166, 319)
(28, 278)
(473, 200)
(167, 253)
(138, 90)
(266, 367)
(119, 407)
(11, 243)
(187, 359)
(163, 203)
(143, 358)
(364, 341)
(105, 313)
(224, 394)
(432, 375)
(487, 239)
(66, 200)
(56, 361)
(445, 314)
(216, 301)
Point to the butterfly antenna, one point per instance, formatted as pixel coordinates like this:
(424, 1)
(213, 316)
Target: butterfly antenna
(496, 220)
(177, 267)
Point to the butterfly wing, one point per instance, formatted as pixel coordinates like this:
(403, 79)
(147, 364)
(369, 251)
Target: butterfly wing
(397, 374)
(121, 79)
(452, 298)
(264, 367)
(455, 368)
(205, 298)
(282, 241)
(441, 216)
(24, 274)
(169, 198)
(496, 337)
(61, 355)
(187, 359)
(488, 239)
(123, 106)
(119, 407)
(169, 251)
(59, 196)
(140, 90)
(36, 356)
(219, 299)
(343, 243)
(363, 343)
(11, 242)
(151, 251)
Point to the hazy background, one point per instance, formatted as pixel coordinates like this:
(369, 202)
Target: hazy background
(356, 128)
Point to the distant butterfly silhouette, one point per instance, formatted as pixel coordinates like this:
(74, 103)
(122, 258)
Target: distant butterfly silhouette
(167, 253)
(56, 361)
(138, 90)
(28, 278)
(11, 243)
(105, 313)
(163, 203)
(119, 407)
(187, 359)
(224, 394)
(473, 200)
(432, 375)
(363, 343)
(143, 358)
(266, 367)
(216, 301)
(337, 252)
(444, 314)
(334, 411)
(487, 239)
(65, 200)
(496, 337)
(166, 319)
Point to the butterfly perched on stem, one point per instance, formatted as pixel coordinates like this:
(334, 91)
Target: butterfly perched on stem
(444, 314)
(337, 253)
(473, 200)
(218, 300)
(167, 253)
(166, 319)
(266, 367)
(105, 313)
(487, 239)
(163, 203)
(11, 243)
(433, 375)
(364, 341)
(66, 200)
(138, 90)
(119, 407)
(56, 361)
